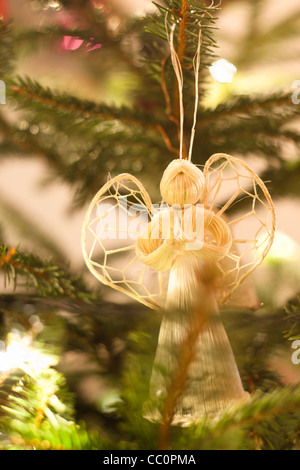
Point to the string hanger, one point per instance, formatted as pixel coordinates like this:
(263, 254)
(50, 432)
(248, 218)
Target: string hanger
(179, 76)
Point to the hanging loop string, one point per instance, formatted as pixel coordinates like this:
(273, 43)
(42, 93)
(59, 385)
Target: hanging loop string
(196, 67)
(179, 76)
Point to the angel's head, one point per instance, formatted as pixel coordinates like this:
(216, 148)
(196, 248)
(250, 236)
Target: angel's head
(182, 183)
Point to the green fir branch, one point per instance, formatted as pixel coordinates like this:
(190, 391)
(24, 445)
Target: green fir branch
(41, 275)
(293, 318)
(48, 423)
(188, 15)
(32, 95)
(249, 106)
(257, 413)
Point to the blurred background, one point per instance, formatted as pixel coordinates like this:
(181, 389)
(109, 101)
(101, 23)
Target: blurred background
(262, 66)
(41, 212)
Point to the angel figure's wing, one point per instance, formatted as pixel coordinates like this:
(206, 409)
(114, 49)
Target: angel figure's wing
(115, 218)
(231, 184)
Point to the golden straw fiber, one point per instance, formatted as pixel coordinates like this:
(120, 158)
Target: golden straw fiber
(164, 259)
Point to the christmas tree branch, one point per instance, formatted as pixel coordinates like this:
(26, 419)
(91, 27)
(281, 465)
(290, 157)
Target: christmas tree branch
(254, 413)
(247, 105)
(48, 423)
(178, 382)
(45, 277)
(188, 14)
(31, 93)
(293, 318)
(181, 47)
(25, 143)
(182, 29)
(187, 350)
(96, 309)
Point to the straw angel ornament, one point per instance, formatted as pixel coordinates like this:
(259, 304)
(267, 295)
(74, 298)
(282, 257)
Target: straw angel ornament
(163, 255)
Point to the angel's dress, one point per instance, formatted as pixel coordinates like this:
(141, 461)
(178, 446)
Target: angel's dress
(213, 381)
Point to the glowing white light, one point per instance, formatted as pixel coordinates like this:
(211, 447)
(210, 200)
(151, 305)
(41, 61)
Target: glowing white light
(283, 248)
(11, 357)
(19, 355)
(222, 71)
(54, 4)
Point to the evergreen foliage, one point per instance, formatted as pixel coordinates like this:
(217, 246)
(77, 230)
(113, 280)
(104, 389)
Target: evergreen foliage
(81, 140)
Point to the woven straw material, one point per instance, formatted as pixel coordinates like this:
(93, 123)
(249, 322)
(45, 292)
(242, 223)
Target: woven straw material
(162, 258)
